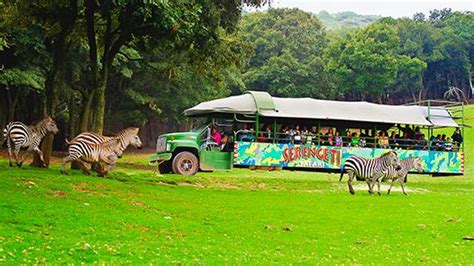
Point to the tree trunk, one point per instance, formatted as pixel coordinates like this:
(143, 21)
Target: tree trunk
(52, 97)
(99, 111)
(86, 112)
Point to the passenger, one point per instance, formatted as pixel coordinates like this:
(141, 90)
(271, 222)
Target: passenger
(330, 137)
(448, 145)
(417, 135)
(423, 143)
(338, 142)
(432, 143)
(405, 142)
(354, 140)
(408, 130)
(216, 136)
(297, 135)
(393, 141)
(246, 134)
(362, 142)
(457, 137)
(261, 137)
(347, 139)
(268, 133)
(443, 142)
(439, 142)
(383, 140)
(305, 135)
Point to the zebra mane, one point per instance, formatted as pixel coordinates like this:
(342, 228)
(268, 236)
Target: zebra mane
(38, 126)
(387, 154)
(126, 130)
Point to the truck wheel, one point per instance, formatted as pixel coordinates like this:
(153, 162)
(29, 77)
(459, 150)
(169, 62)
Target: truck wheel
(185, 163)
(165, 167)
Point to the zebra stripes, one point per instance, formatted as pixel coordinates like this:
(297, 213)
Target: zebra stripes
(19, 135)
(369, 169)
(406, 165)
(128, 136)
(86, 152)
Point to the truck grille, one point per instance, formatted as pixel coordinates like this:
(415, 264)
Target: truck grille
(161, 144)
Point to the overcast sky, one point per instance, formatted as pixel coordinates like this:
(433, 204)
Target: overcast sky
(402, 8)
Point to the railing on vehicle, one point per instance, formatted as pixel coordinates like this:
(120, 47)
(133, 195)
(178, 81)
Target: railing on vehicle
(347, 141)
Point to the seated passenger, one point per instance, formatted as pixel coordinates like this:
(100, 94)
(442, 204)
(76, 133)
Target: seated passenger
(393, 141)
(297, 135)
(457, 137)
(354, 140)
(261, 137)
(330, 137)
(448, 145)
(216, 136)
(338, 140)
(422, 143)
(383, 140)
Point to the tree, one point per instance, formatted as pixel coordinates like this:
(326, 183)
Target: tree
(287, 61)
(367, 63)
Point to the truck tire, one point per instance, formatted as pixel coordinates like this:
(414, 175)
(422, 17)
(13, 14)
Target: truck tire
(185, 163)
(165, 167)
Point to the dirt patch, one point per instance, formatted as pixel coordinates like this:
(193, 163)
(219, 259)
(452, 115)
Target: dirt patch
(60, 193)
(81, 187)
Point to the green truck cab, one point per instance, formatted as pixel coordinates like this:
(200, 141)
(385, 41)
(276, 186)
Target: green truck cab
(188, 152)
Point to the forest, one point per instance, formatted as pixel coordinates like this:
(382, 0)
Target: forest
(104, 65)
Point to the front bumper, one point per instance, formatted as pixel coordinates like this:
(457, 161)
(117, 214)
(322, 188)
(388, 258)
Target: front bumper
(159, 157)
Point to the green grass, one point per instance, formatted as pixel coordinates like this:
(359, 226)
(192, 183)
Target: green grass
(243, 216)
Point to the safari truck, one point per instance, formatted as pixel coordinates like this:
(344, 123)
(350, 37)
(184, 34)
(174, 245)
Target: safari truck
(293, 133)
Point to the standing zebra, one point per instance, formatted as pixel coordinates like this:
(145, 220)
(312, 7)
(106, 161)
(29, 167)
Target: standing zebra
(86, 152)
(369, 169)
(406, 165)
(128, 136)
(22, 136)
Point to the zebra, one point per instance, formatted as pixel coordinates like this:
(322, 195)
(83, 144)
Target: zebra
(369, 169)
(406, 165)
(20, 136)
(86, 152)
(128, 136)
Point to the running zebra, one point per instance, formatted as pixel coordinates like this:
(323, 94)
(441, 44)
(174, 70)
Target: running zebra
(406, 165)
(128, 136)
(86, 152)
(19, 135)
(369, 169)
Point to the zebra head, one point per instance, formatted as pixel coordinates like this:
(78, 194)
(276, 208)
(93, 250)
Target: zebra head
(50, 125)
(417, 165)
(133, 137)
(391, 159)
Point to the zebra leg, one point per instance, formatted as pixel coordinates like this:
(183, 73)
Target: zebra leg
(349, 183)
(40, 154)
(65, 161)
(401, 184)
(22, 159)
(390, 188)
(16, 152)
(85, 170)
(9, 146)
(378, 187)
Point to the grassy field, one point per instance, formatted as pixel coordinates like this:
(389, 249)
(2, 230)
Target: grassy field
(243, 216)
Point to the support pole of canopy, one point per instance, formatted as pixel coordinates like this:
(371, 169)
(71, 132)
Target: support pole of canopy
(274, 130)
(257, 125)
(319, 133)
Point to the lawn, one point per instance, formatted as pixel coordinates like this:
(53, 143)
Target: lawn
(243, 216)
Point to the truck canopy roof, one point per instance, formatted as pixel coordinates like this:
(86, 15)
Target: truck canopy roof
(265, 105)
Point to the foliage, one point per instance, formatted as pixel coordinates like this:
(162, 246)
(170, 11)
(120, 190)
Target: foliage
(287, 60)
(343, 21)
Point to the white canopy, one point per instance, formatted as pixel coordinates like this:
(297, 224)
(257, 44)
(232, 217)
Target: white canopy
(327, 110)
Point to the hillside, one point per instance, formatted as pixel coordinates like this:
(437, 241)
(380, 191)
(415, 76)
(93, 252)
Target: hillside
(345, 20)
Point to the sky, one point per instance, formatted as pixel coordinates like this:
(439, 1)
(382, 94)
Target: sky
(396, 9)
